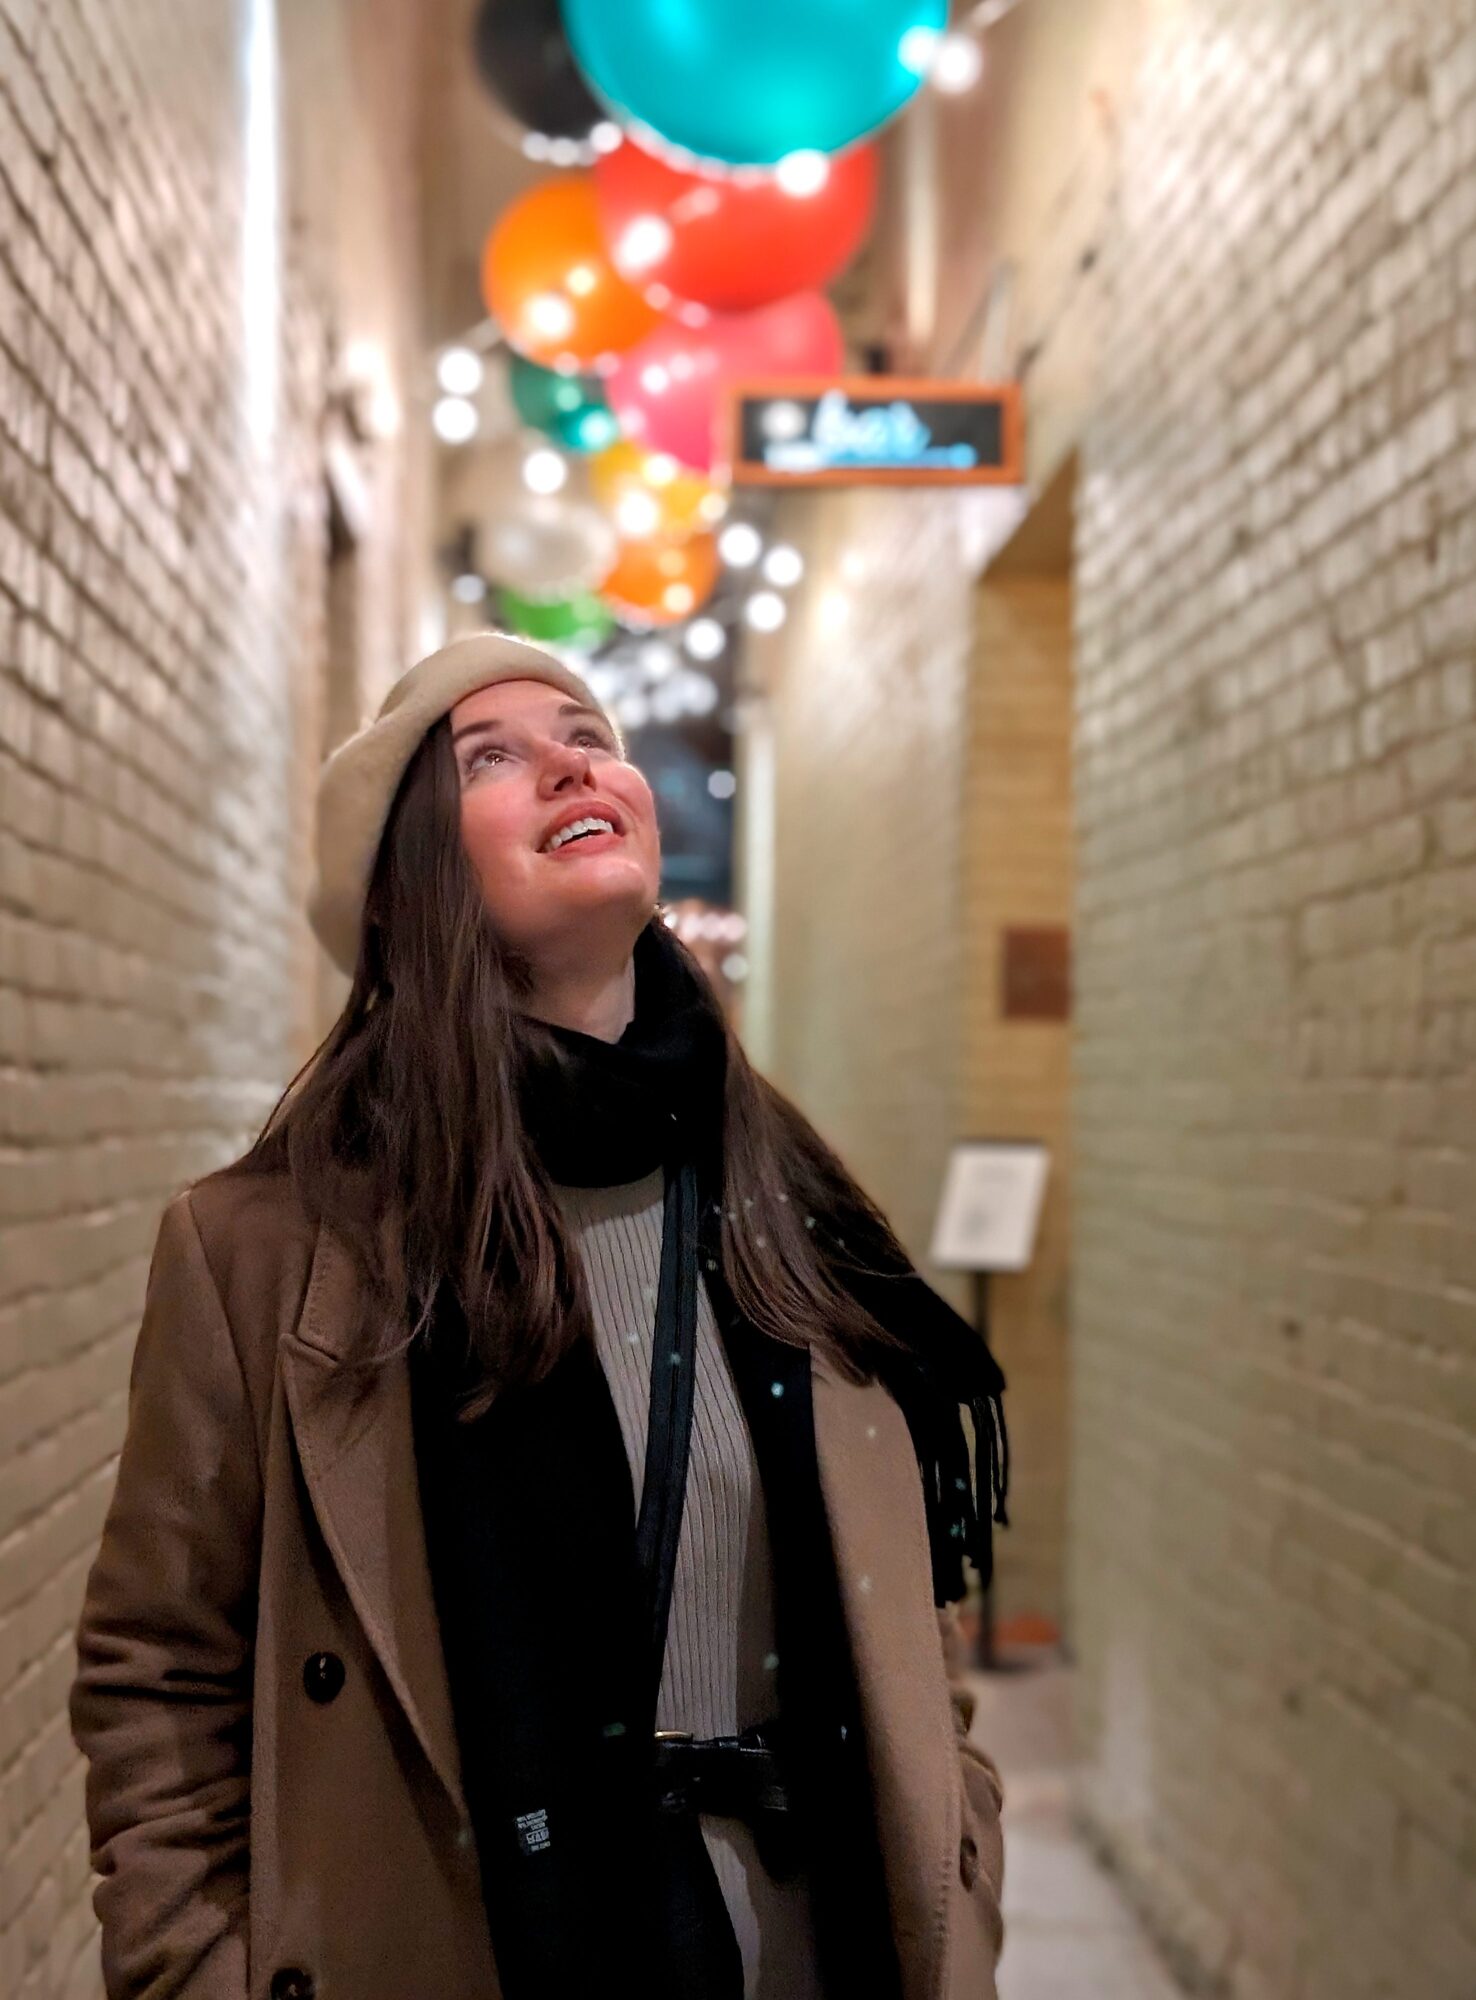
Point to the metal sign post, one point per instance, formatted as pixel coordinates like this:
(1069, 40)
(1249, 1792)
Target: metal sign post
(987, 1219)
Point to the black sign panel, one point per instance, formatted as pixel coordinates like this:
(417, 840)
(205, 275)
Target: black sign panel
(875, 430)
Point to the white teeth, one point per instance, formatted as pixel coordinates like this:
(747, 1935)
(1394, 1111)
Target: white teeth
(567, 833)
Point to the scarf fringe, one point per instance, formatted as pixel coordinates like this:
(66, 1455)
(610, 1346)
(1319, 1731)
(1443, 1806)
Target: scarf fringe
(963, 1500)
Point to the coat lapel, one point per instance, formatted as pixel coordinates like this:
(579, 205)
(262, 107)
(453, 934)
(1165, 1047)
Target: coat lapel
(878, 1525)
(355, 1440)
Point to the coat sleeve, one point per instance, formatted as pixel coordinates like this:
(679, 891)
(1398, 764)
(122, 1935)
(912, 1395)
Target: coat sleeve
(983, 1785)
(161, 1704)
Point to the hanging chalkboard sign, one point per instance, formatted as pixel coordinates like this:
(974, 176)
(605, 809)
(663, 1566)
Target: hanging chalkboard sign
(875, 430)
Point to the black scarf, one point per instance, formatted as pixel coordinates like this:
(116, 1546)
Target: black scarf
(530, 1524)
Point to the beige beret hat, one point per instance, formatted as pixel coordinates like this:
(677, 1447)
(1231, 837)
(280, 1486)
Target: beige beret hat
(357, 784)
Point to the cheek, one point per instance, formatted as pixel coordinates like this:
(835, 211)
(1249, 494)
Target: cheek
(640, 806)
(492, 840)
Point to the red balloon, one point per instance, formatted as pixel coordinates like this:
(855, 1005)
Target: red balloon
(670, 391)
(728, 242)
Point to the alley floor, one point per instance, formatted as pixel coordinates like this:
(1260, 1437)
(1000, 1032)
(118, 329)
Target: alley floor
(1069, 1935)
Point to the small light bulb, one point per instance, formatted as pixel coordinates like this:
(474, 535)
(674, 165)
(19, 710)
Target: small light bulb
(721, 784)
(764, 611)
(454, 420)
(459, 371)
(957, 64)
(783, 566)
(705, 639)
(679, 598)
(803, 173)
(699, 693)
(740, 545)
(605, 136)
(657, 658)
(544, 471)
(637, 515)
(916, 49)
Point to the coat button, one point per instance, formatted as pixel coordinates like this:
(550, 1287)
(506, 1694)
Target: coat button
(292, 1983)
(968, 1861)
(322, 1676)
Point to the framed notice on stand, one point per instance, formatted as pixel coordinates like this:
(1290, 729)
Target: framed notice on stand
(987, 1220)
(990, 1206)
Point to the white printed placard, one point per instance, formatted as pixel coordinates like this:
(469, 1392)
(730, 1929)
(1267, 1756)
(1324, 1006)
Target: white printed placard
(990, 1207)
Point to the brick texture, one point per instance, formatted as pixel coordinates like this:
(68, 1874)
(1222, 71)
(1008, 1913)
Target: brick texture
(1015, 1077)
(166, 320)
(865, 689)
(1274, 1292)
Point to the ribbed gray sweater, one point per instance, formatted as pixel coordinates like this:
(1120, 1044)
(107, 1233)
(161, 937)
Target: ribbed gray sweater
(718, 1673)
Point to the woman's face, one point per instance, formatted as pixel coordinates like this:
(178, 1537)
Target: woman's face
(531, 760)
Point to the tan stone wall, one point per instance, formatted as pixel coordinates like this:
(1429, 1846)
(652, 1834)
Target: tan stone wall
(905, 794)
(1015, 1080)
(853, 1007)
(168, 316)
(1274, 1307)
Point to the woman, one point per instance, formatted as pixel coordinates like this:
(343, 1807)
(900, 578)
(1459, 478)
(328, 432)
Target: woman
(539, 1453)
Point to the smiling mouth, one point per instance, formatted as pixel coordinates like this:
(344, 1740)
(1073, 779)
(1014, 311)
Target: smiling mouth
(598, 837)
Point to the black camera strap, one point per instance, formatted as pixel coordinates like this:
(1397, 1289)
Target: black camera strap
(669, 1431)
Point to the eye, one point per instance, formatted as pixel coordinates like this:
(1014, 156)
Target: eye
(592, 735)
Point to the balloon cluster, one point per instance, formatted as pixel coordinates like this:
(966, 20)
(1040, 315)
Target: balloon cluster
(726, 179)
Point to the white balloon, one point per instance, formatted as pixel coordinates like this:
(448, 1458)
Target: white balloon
(547, 546)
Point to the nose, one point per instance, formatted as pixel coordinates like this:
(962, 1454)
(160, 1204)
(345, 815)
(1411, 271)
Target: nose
(563, 764)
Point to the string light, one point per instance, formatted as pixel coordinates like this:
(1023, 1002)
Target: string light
(958, 63)
(459, 371)
(454, 420)
(740, 545)
(544, 471)
(803, 173)
(765, 611)
(705, 639)
(783, 566)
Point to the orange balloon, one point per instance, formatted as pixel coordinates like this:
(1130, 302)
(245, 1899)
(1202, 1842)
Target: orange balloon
(550, 286)
(651, 493)
(661, 581)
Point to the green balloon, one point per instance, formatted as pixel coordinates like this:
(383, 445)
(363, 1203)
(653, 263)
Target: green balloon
(570, 408)
(581, 620)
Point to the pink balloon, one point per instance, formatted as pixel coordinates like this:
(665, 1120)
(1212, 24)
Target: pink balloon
(670, 390)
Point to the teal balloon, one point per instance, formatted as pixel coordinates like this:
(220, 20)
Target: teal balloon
(570, 408)
(747, 81)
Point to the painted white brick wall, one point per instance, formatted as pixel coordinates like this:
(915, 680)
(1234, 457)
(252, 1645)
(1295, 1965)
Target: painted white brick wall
(162, 548)
(1274, 1421)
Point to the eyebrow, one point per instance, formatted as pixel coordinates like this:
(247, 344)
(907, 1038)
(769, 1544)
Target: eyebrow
(492, 722)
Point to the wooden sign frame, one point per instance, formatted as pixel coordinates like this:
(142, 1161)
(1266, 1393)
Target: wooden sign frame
(880, 389)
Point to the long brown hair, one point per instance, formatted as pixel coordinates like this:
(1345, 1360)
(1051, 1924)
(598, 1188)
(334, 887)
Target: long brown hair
(403, 1133)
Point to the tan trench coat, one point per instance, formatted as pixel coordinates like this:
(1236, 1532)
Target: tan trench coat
(271, 1822)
